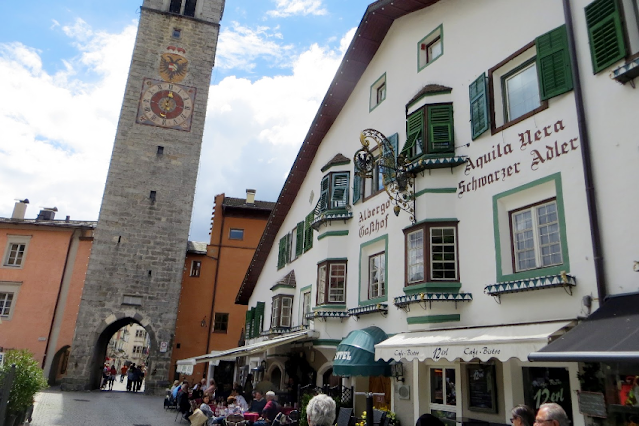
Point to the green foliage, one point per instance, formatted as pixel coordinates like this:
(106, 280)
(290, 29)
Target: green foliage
(28, 379)
(305, 399)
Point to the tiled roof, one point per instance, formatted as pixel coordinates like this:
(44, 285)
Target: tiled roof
(372, 30)
(429, 89)
(288, 280)
(241, 202)
(56, 223)
(338, 159)
(196, 247)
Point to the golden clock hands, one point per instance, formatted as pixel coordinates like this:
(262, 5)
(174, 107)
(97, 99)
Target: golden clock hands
(170, 95)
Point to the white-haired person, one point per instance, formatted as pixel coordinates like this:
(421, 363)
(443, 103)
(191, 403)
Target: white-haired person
(551, 414)
(270, 411)
(320, 411)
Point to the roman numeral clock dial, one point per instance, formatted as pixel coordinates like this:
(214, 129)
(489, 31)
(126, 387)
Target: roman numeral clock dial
(166, 104)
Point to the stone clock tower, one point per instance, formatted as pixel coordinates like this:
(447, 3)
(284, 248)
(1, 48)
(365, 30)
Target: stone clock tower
(136, 264)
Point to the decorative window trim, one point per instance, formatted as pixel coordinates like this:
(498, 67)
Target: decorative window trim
(550, 281)
(196, 267)
(422, 53)
(541, 189)
(324, 270)
(376, 98)
(9, 261)
(374, 246)
(425, 227)
(374, 308)
(12, 288)
(425, 300)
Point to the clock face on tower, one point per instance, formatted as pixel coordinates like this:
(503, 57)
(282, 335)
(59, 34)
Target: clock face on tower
(166, 104)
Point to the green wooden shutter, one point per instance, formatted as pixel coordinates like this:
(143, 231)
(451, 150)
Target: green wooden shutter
(553, 63)
(249, 323)
(479, 118)
(281, 254)
(394, 142)
(287, 248)
(339, 190)
(308, 232)
(357, 187)
(324, 189)
(389, 159)
(440, 129)
(414, 131)
(299, 238)
(605, 33)
(258, 323)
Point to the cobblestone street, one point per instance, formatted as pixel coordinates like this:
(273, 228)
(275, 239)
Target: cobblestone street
(97, 408)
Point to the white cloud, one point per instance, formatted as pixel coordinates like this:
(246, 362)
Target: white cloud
(59, 128)
(240, 46)
(286, 8)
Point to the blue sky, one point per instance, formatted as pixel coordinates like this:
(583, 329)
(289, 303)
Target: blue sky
(64, 65)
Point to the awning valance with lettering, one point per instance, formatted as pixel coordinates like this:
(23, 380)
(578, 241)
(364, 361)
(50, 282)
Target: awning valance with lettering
(610, 334)
(501, 342)
(258, 347)
(355, 355)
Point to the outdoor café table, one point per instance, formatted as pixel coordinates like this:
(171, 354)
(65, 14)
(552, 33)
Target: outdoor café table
(251, 416)
(287, 410)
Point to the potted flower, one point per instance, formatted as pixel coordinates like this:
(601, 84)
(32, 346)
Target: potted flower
(28, 380)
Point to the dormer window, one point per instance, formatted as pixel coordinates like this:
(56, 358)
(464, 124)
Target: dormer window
(334, 192)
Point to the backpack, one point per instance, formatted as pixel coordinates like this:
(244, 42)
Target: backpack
(281, 420)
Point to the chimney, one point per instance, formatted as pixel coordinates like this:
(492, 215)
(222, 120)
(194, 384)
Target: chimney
(20, 209)
(47, 213)
(250, 196)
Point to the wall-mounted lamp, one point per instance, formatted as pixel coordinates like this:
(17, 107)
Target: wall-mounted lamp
(203, 322)
(397, 371)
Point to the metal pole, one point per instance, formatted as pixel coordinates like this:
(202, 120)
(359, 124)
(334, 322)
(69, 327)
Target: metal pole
(370, 416)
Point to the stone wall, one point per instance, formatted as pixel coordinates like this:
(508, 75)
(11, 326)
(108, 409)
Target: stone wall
(140, 242)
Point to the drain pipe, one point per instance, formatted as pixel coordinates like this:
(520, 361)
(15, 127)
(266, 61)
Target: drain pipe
(591, 198)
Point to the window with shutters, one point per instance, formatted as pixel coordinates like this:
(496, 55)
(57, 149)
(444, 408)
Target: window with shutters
(605, 33)
(331, 282)
(430, 48)
(296, 242)
(333, 192)
(378, 93)
(281, 311)
(431, 253)
(520, 85)
(430, 131)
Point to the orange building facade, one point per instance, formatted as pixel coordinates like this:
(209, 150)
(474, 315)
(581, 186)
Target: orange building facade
(208, 318)
(42, 270)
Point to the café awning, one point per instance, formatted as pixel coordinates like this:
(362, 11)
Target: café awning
(258, 347)
(355, 355)
(610, 334)
(500, 342)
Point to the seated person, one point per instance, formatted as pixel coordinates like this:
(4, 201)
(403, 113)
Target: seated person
(211, 389)
(183, 404)
(270, 411)
(206, 409)
(258, 403)
(236, 393)
(198, 390)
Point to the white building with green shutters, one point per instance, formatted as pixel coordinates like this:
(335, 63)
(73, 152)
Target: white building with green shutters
(445, 195)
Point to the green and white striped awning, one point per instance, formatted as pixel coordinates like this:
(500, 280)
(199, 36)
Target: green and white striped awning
(403, 301)
(435, 163)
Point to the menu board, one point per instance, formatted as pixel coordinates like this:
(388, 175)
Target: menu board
(592, 404)
(546, 384)
(481, 388)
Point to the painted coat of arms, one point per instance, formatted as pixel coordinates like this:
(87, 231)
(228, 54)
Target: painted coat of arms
(173, 66)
